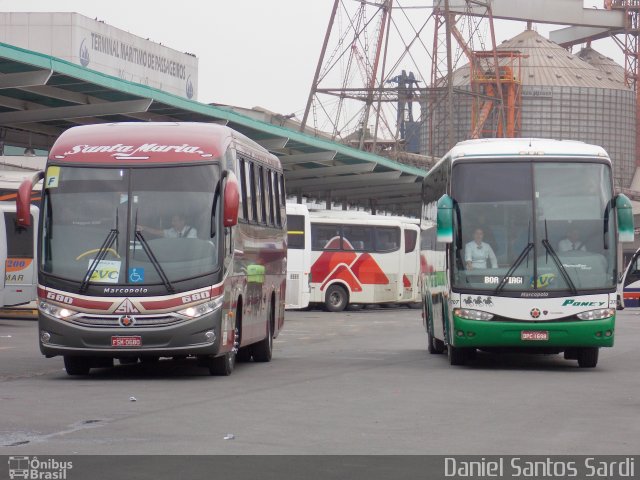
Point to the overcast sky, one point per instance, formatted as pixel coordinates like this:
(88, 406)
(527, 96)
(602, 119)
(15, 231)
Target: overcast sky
(251, 52)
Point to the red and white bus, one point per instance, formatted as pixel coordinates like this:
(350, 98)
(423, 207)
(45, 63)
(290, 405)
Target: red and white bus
(159, 240)
(341, 258)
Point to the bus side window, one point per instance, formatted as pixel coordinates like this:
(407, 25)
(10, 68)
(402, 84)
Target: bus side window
(387, 239)
(277, 203)
(19, 240)
(268, 195)
(410, 238)
(259, 194)
(243, 213)
(359, 237)
(251, 191)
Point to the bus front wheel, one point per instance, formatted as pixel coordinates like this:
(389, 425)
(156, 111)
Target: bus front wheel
(588, 357)
(456, 355)
(77, 365)
(336, 298)
(224, 364)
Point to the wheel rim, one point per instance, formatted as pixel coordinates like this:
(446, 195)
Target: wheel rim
(335, 299)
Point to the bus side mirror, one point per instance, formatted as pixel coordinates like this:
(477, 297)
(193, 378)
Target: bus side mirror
(445, 219)
(23, 204)
(231, 201)
(624, 212)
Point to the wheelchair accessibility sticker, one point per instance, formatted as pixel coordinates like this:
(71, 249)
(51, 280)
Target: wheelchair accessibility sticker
(136, 275)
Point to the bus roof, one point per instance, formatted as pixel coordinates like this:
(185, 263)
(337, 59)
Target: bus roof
(148, 142)
(510, 147)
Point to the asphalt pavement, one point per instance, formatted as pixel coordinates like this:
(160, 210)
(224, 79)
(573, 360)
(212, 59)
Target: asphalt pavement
(356, 382)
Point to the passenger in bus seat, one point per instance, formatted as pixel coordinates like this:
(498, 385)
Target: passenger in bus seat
(477, 252)
(179, 229)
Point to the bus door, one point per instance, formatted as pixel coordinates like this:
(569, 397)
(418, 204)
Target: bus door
(629, 287)
(410, 266)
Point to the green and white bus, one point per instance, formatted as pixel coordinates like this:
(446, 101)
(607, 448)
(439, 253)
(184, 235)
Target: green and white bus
(520, 249)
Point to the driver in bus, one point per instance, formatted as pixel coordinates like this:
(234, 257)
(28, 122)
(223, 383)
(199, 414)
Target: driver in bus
(179, 229)
(572, 242)
(477, 252)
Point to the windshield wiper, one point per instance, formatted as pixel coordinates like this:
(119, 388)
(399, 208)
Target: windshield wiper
(102, 252)
(155, 262)
(556, 260)
(524, 254)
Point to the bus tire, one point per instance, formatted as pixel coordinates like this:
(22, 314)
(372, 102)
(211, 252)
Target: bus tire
(336, 298)
(414, 305)
(77, 365)
(456, 355)
(223, 365)
(263, 350)
(244, 355)
(588, 357)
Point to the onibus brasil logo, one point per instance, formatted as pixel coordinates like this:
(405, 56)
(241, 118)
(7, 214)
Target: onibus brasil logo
(33, 468)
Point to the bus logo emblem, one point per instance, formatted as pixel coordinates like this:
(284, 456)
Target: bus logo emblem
(535, 312)
(127, 307)
(127, 321)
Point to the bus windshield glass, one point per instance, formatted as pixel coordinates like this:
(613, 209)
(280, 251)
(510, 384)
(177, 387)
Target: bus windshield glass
(93, 214)
(533, 226)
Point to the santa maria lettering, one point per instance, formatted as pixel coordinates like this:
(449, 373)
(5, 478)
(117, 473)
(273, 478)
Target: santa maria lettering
(129, 150)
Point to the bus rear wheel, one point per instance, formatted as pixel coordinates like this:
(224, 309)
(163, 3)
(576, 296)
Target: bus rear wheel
(336, 298)
(77, 365)
(588, 357)
(263, 350)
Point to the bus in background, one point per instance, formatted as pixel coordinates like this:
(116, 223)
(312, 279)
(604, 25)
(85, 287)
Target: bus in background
(629, 286)
(159, 240)
(298, 257)
(524, 250)
(17, 244)
(17, 249)
(359, 259)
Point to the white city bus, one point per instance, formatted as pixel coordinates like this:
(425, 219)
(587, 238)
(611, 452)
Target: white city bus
(298, 257)
(524, 255)
(352, 258)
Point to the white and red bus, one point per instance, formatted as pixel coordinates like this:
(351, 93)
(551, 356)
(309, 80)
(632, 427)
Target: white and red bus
(344, 258)
(159, 240)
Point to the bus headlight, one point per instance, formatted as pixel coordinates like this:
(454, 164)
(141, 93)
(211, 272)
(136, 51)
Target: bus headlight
(203, 308)
(61, 313)
(472, 314)
(598, 314)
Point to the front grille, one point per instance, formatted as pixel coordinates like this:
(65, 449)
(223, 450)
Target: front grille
(113, 321)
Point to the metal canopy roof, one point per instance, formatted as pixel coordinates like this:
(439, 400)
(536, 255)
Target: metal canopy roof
(41, 96)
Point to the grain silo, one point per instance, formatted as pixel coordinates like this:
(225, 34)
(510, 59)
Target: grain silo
(562, 97)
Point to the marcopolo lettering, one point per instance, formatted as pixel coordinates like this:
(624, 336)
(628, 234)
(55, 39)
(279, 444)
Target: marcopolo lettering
(573, 303)
(126, 291)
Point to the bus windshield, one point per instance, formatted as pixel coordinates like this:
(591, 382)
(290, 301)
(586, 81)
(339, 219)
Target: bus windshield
(93, 214)
(533, 226)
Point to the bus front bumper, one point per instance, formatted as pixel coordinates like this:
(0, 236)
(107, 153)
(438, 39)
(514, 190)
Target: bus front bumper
(578, 333)
(189, 337)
